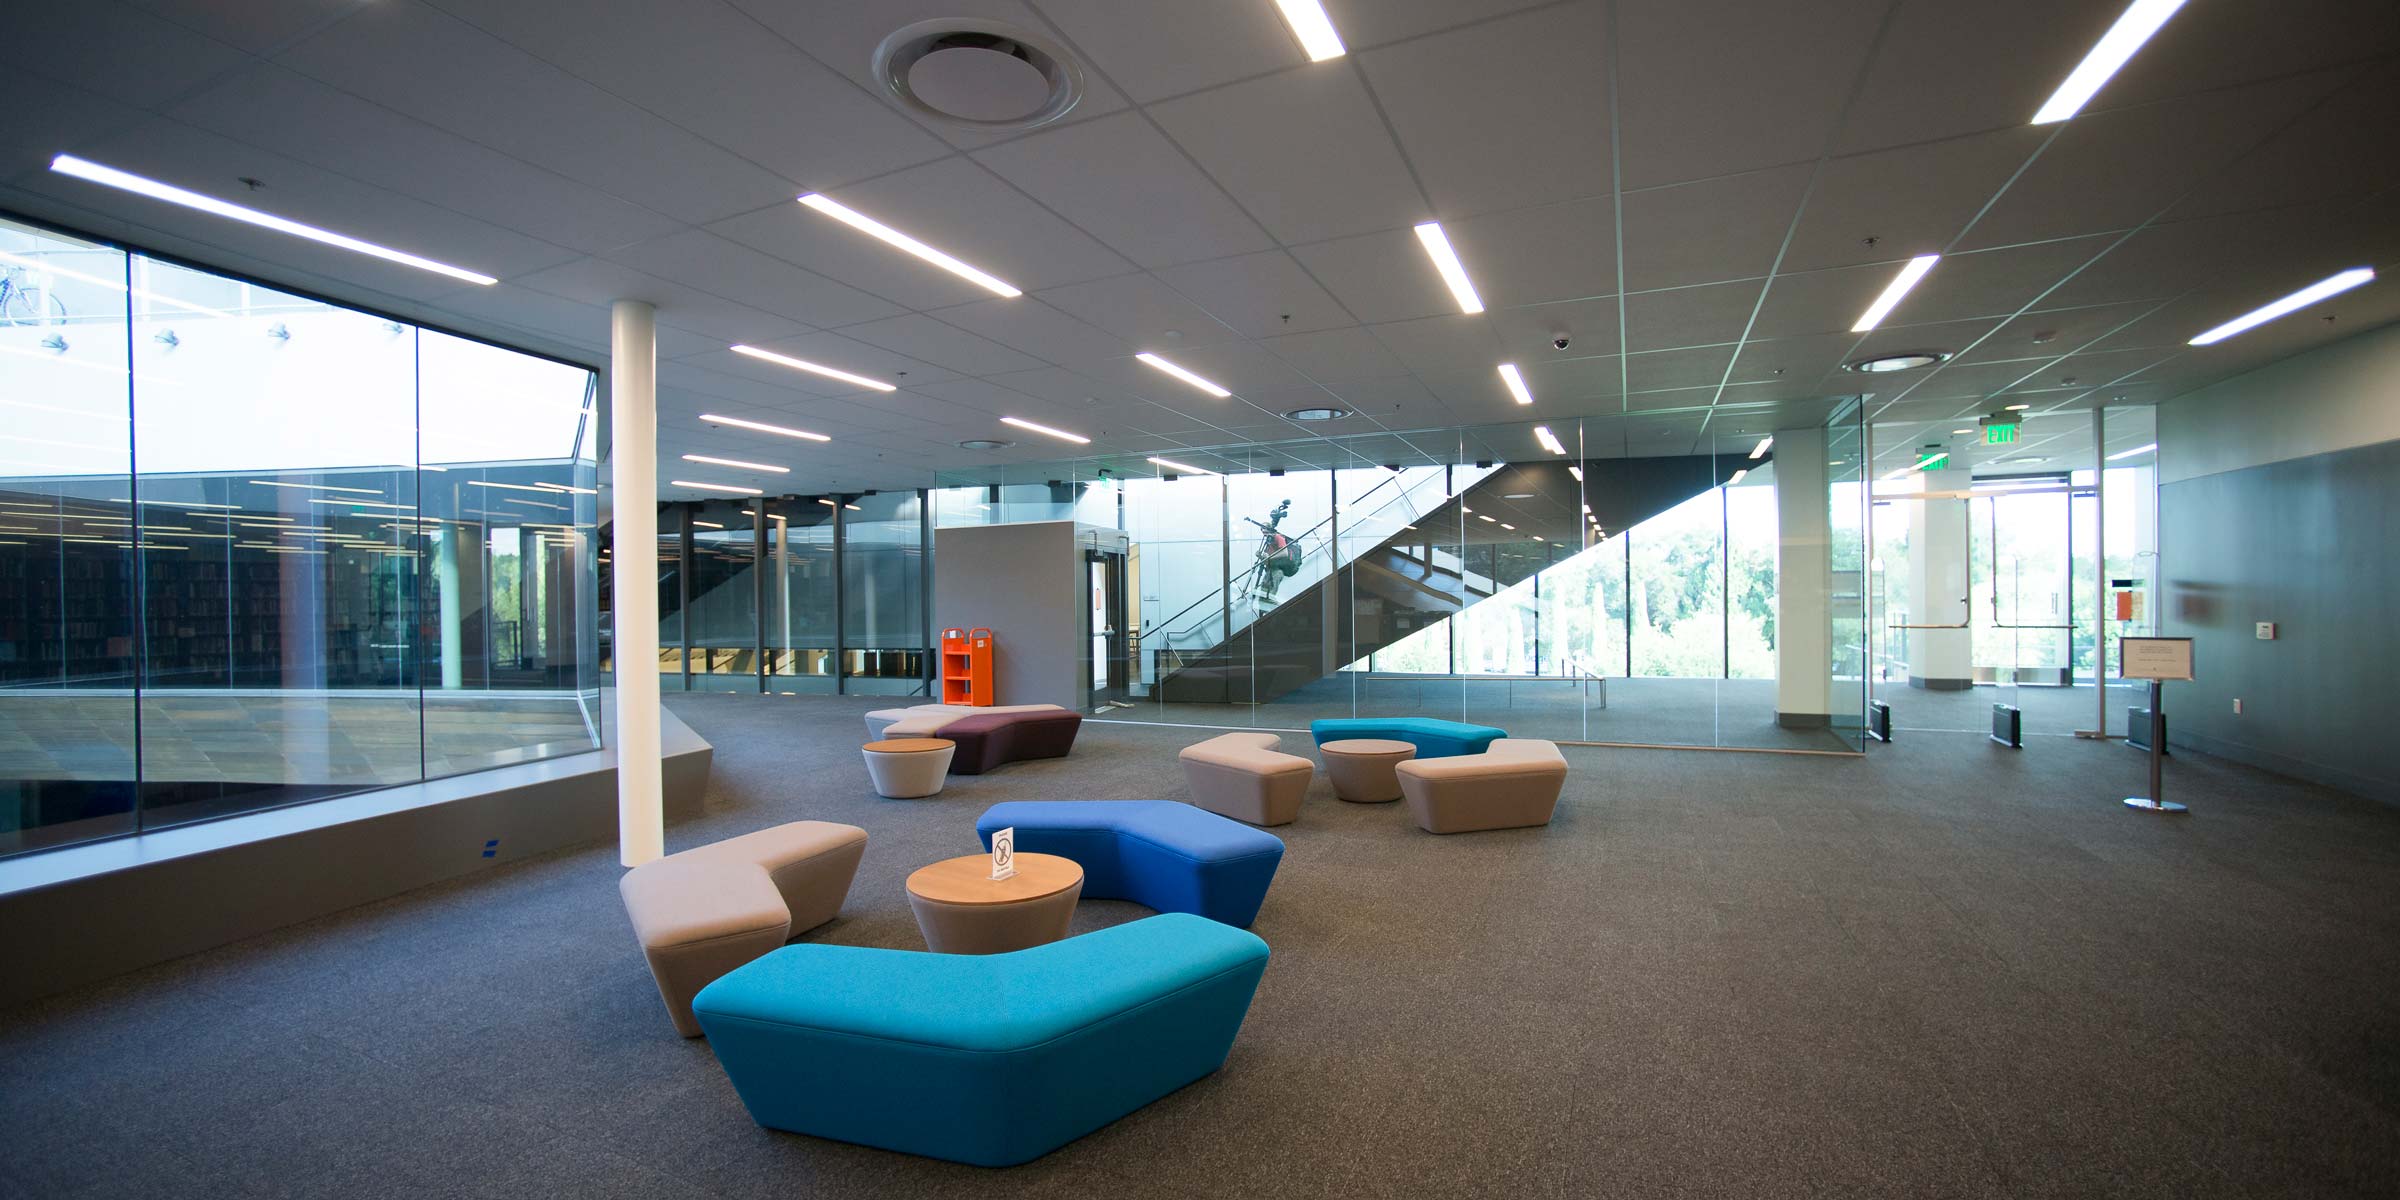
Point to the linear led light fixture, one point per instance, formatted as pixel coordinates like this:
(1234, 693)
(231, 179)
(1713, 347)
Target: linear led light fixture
(1759, 451)
(763, 427)
(1549, 440)
(735, 489)
(1577, 472)
(898, 240)
(2107, 55)
(1046, 431)
(1515, 382)
(68, 164)
(735, 462)
(313, 487)
(2125, 454)
(831, 504)
(1186, 468)
(802, 364)
(514, 487)
(1314, 29)
(1445, 260)
(1910, 273)
(360, 503)
(560, 487)
(1186, 376)
(1481, 517)
(1738, 476)
(2306, 296)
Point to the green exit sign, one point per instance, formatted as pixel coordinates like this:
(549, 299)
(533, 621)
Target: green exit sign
(1999, 435)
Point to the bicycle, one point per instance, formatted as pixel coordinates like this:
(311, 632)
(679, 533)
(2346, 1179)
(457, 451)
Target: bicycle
(22, 303)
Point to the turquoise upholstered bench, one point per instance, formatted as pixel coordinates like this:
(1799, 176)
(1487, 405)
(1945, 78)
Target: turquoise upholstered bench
(1163, 853)
(990, 1059)
(1432, 738)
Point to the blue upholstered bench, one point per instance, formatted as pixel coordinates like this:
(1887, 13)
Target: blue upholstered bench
(1163, 853)
(1432, 738)
(991, 1059)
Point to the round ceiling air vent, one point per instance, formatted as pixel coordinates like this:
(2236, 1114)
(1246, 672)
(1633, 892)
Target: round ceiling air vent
(978, 74)
(984, 444)
(1317, 414)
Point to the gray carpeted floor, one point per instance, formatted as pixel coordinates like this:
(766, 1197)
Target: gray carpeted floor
(1947, 969)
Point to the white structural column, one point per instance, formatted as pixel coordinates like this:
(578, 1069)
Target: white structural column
(633, 485)
(1939, 659)
(1803, 581)
(445, 576)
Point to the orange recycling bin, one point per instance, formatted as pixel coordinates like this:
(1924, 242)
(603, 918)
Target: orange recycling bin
(967, 666)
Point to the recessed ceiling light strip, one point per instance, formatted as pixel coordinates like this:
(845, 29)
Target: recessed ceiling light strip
(68, 164)
(2334, 285)
(1549, 440)
(1186, 376)
(1445, 260)
(1910, 273)
(735, 489)
(2119, 44)
(737, 463)
(1314, 29)
(1186, 468)
(763, 427)
(802, 364)
(893, 237)
(1515, 382)
(1046, 431)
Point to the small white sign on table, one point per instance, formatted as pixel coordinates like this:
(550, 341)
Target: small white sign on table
(2154, 657)
(1004, 853)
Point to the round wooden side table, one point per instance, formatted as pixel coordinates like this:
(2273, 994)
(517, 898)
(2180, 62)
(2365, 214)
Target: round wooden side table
(907, 768)
(1363, 770)
(961, 909)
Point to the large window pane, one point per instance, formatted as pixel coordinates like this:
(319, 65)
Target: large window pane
(67, 600)
(800, 595)
(883, 577)
(722, 614)
(1677, 596)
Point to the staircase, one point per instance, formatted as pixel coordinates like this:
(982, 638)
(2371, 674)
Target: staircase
(1444, 557)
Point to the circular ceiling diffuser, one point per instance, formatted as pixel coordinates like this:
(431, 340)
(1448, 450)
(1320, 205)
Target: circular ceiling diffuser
(1898, 362)
(978, 74)
(1317, 414)
(984, 444)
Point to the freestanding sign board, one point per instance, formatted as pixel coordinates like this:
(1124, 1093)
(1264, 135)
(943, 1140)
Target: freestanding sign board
(2156, 659)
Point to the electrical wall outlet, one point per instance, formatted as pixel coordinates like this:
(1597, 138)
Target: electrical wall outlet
(2237, 706)
(2266, 631)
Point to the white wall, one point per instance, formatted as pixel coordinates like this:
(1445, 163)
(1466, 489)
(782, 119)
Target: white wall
(2343, 395)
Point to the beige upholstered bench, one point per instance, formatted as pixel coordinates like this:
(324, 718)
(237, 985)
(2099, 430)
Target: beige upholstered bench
(1243, 776)
(1514, 783)
(705, 911)
(926, 720)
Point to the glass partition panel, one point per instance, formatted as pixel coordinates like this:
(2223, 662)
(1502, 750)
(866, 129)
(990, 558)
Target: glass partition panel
(883, 577)
(68, 604)
(801, 593)
(721, 613)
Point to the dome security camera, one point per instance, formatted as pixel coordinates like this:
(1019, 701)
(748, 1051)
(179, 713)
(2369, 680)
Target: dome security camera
(1559, 342)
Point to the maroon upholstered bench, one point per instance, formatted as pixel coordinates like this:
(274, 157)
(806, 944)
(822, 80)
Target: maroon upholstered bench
(987, 740)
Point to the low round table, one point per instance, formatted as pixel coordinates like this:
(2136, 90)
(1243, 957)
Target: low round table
(907, 768)
(1361, 769)
(963, 910)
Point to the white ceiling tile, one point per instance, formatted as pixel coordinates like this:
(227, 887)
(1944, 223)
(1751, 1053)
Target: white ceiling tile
(1560, 381)
(708, 68)
(1796, 63)
(2117, 169)
(1238, 367)
(2210, 46)
(1304, 151)
(601, 282)
(705, 262)
(1988, 283)
(449, 74)
(1364, 23)
(922, 337)
(1562, 251)
(1148, 46)
(1590, 327)
(1912, 200)
(1948, 67)
(110, 48)
(1125, 184)
(1457, 342)
(1259, 295)
(2321, 156)
(56, 117)
(1696, 316)
(1720, 229)
(1700, 366)
(283, 111)
(1506, 114)
(1336, 354)
(833, 350)
(1028, 325)
(1380, 276)
(1140, 310)
(254, 26)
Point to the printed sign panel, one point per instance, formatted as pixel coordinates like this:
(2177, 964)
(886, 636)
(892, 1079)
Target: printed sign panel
(2154, 658)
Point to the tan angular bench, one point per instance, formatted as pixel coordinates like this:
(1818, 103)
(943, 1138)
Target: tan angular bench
(1512, 784)
(1243, 776)
(926, 720)
(701, 913)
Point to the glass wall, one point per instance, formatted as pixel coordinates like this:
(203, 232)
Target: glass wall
(1552, 580)
(796, 594)
(260, 549)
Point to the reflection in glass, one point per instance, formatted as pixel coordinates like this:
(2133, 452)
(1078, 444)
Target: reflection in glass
(883, 571)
